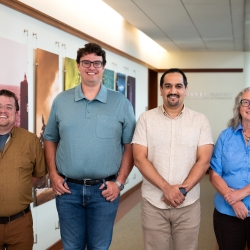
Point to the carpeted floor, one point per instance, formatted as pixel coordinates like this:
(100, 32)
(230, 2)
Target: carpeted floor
(128, 234)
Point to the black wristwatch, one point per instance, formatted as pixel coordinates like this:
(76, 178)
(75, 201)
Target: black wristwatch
(183, 191)
(120, 186)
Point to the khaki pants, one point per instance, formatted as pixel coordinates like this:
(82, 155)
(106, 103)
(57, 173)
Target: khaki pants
(181, 223)
(18, 234)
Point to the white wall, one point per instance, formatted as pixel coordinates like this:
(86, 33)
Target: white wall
(199, 60)
(98, 20)
(12, 27)
(247, 69)
(217, 109)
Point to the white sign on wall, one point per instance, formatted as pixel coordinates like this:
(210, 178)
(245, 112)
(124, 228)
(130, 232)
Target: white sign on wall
(209, 95)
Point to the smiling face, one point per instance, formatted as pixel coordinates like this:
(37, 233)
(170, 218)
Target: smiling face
(8, 114)
(91, 76)
(245, 111)
(173, 91)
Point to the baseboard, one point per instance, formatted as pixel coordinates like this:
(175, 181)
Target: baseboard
(130, 191)
(58, 245)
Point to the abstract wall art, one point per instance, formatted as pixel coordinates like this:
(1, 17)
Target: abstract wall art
(120, 83)
(109, 79)
(14, 66)
(71, 74)
(47, 88)
(131, 90)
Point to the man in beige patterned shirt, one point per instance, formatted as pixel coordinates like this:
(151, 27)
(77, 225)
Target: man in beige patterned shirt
(172, 147)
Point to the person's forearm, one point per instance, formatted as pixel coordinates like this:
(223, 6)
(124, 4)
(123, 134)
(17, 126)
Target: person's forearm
(196, 174)
(246, 190)
(50, 156)
(126, 164)
(219, 184)
(199, 169)
(149, 172)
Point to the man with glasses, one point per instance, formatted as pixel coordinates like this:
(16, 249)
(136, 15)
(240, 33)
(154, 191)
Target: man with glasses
(21, 165)
(172, 146)
(88, 152)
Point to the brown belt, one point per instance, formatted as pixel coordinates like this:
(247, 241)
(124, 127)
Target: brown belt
(5, 220)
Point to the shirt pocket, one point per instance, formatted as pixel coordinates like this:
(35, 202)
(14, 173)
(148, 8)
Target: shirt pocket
(229, 153)
(190, 138)
(106, 126)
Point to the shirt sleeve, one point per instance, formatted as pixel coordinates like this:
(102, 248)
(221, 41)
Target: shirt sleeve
(206, 136)
(51, 132)
(129, 123)
(39, 168)
(216, 160)
(140, 135)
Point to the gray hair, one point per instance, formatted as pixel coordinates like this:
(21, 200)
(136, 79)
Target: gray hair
(236, 120)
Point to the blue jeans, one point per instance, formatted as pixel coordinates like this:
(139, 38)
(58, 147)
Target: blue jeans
(86, 218)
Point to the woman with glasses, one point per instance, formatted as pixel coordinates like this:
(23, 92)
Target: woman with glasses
(230, 175)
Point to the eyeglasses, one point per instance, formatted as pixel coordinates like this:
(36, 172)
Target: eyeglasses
(245, 103)
(96, 64)
(7, 107)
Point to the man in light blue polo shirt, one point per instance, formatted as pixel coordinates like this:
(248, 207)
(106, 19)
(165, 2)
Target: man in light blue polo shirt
(88, 153)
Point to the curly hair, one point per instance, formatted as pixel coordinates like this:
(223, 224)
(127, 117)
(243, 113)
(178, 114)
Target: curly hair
(5, 92)
(236, 120)
(90, 48)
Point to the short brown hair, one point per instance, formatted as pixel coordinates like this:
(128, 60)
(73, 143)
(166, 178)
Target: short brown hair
(8, 93)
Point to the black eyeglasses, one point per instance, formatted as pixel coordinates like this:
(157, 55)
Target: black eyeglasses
(245, 103)
(86, 64)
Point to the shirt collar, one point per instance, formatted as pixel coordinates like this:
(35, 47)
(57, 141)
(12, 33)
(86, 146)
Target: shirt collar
(101, 96)
(12, 133)
(179, 115)
(238, 128)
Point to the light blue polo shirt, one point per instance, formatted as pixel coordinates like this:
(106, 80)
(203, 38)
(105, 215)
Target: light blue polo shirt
(90, 134)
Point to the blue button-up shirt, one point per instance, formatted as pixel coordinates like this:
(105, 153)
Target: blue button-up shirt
(231, 161)
(90, 134)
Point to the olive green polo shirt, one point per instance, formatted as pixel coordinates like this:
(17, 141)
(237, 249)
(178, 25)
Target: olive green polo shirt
(22, 158)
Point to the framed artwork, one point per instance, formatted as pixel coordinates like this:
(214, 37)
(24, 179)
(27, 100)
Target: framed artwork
(109, 79)
(14, 66)
(71, 74)
(120, 83)
(47, 88)
(131, 90)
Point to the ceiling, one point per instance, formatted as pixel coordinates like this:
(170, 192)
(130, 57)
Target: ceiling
(190, 25)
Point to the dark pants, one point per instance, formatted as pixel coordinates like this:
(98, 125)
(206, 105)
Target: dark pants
(18, 234)
(231, 232)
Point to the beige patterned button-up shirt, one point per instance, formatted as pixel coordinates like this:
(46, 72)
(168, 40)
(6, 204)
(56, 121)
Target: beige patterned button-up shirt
(172, 148)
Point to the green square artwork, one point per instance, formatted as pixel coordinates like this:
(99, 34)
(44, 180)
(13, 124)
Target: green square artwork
(109, 79)
(71, 74)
